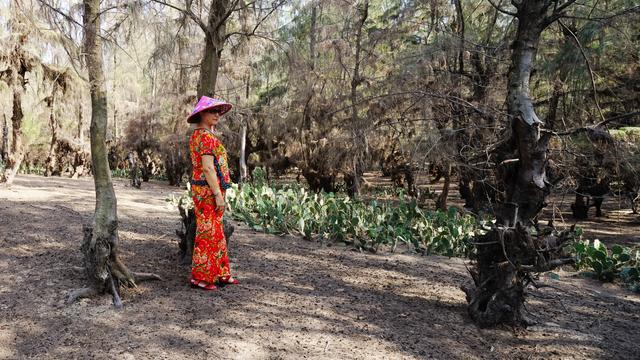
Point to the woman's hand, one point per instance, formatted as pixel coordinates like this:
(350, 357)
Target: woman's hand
(219, 201)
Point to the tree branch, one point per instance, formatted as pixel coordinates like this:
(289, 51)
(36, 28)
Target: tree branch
(497, 7)
(593, 127)
(187, 12)
(586, 60)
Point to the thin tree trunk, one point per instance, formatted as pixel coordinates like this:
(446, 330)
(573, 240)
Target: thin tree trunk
(359, 135)
(243, 145)
(313, 37)
(80, 132)
(52, 157)
(16, 153)
(4, 145)
(441, 203)
(113, 93)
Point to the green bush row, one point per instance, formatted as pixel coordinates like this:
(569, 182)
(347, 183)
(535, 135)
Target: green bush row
(30, 169)
(291, 209)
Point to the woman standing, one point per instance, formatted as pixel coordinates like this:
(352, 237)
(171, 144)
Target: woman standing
(210, 179)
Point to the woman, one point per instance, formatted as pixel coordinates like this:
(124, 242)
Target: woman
(210, 179)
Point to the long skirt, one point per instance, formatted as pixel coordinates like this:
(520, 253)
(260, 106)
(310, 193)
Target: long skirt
(210, 258)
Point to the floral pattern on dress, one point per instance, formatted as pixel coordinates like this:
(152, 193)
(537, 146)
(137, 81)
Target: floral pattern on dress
(210, 261)
(204, 142)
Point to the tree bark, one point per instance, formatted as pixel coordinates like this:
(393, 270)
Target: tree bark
(51, 163)
(215, 34)
(509, 252)
(100, 246)
(359, 135)
(441, 203)
(313, 36)
(4, 145)
(16, 153)
(243, 145)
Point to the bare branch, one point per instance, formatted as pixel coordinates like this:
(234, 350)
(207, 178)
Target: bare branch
(593, 127)
(186, 12)
(586, 60)
(497, 7)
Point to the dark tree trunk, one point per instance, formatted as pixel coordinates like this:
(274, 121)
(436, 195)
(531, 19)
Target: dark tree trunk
(79, 154)
(441, 203)
(509, 252)
(187, 233)
(359, 134)
(313, 36)
(215, 34)
(16, 152)
(51, 167)
(4, 145)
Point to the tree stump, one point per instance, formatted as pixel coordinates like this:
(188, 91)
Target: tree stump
(187, 233)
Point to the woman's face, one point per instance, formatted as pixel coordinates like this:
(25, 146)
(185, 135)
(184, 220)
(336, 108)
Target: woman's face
(210, 117)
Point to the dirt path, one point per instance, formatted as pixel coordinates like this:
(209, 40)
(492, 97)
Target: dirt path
(297, 299)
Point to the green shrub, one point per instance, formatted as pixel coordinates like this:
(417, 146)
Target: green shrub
(608, 265)
(31, 169)
(292, 209)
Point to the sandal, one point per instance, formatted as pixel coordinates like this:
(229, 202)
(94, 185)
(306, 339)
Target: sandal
(203, 285)
(229, 281)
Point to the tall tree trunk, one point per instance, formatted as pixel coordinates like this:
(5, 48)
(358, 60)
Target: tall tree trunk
(100, 246)
(79, 130)
(509, 252)
(358, 133)
(313, 36)
(52, 157)
(441, 203)
(243, 145)
(16, 153)
(215, 35)
(4, 145)
(113, 93)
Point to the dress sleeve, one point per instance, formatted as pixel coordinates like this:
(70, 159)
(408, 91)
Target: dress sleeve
(209, 145)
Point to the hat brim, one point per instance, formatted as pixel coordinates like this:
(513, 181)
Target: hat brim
(224, 108)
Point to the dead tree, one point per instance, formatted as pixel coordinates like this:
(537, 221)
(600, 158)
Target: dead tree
(20, 62)
(510, 252)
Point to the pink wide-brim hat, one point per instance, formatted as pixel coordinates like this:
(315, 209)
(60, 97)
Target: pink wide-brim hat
(205, 103)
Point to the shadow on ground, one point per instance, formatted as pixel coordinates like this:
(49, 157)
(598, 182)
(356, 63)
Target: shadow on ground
(297, 299)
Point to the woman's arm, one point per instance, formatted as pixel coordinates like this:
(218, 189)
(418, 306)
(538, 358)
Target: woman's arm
(209, 170)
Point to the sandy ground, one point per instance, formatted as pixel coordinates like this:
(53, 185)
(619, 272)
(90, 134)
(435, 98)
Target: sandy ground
(297, 299)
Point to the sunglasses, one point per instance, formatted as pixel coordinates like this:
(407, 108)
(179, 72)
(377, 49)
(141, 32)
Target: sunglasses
(213, 111)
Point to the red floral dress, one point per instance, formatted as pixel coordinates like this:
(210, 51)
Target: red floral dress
(210, 259)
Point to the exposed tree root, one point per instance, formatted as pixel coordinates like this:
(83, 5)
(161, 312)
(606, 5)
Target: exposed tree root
(140, 277)
(79, 294)
(104, 268)
(506, 259)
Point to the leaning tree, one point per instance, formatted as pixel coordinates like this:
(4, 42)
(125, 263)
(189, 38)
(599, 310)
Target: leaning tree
(515, 247)
(102, 262)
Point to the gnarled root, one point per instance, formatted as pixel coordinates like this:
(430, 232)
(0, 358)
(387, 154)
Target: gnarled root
(140, 277)
(74, 295)
(505, 260)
